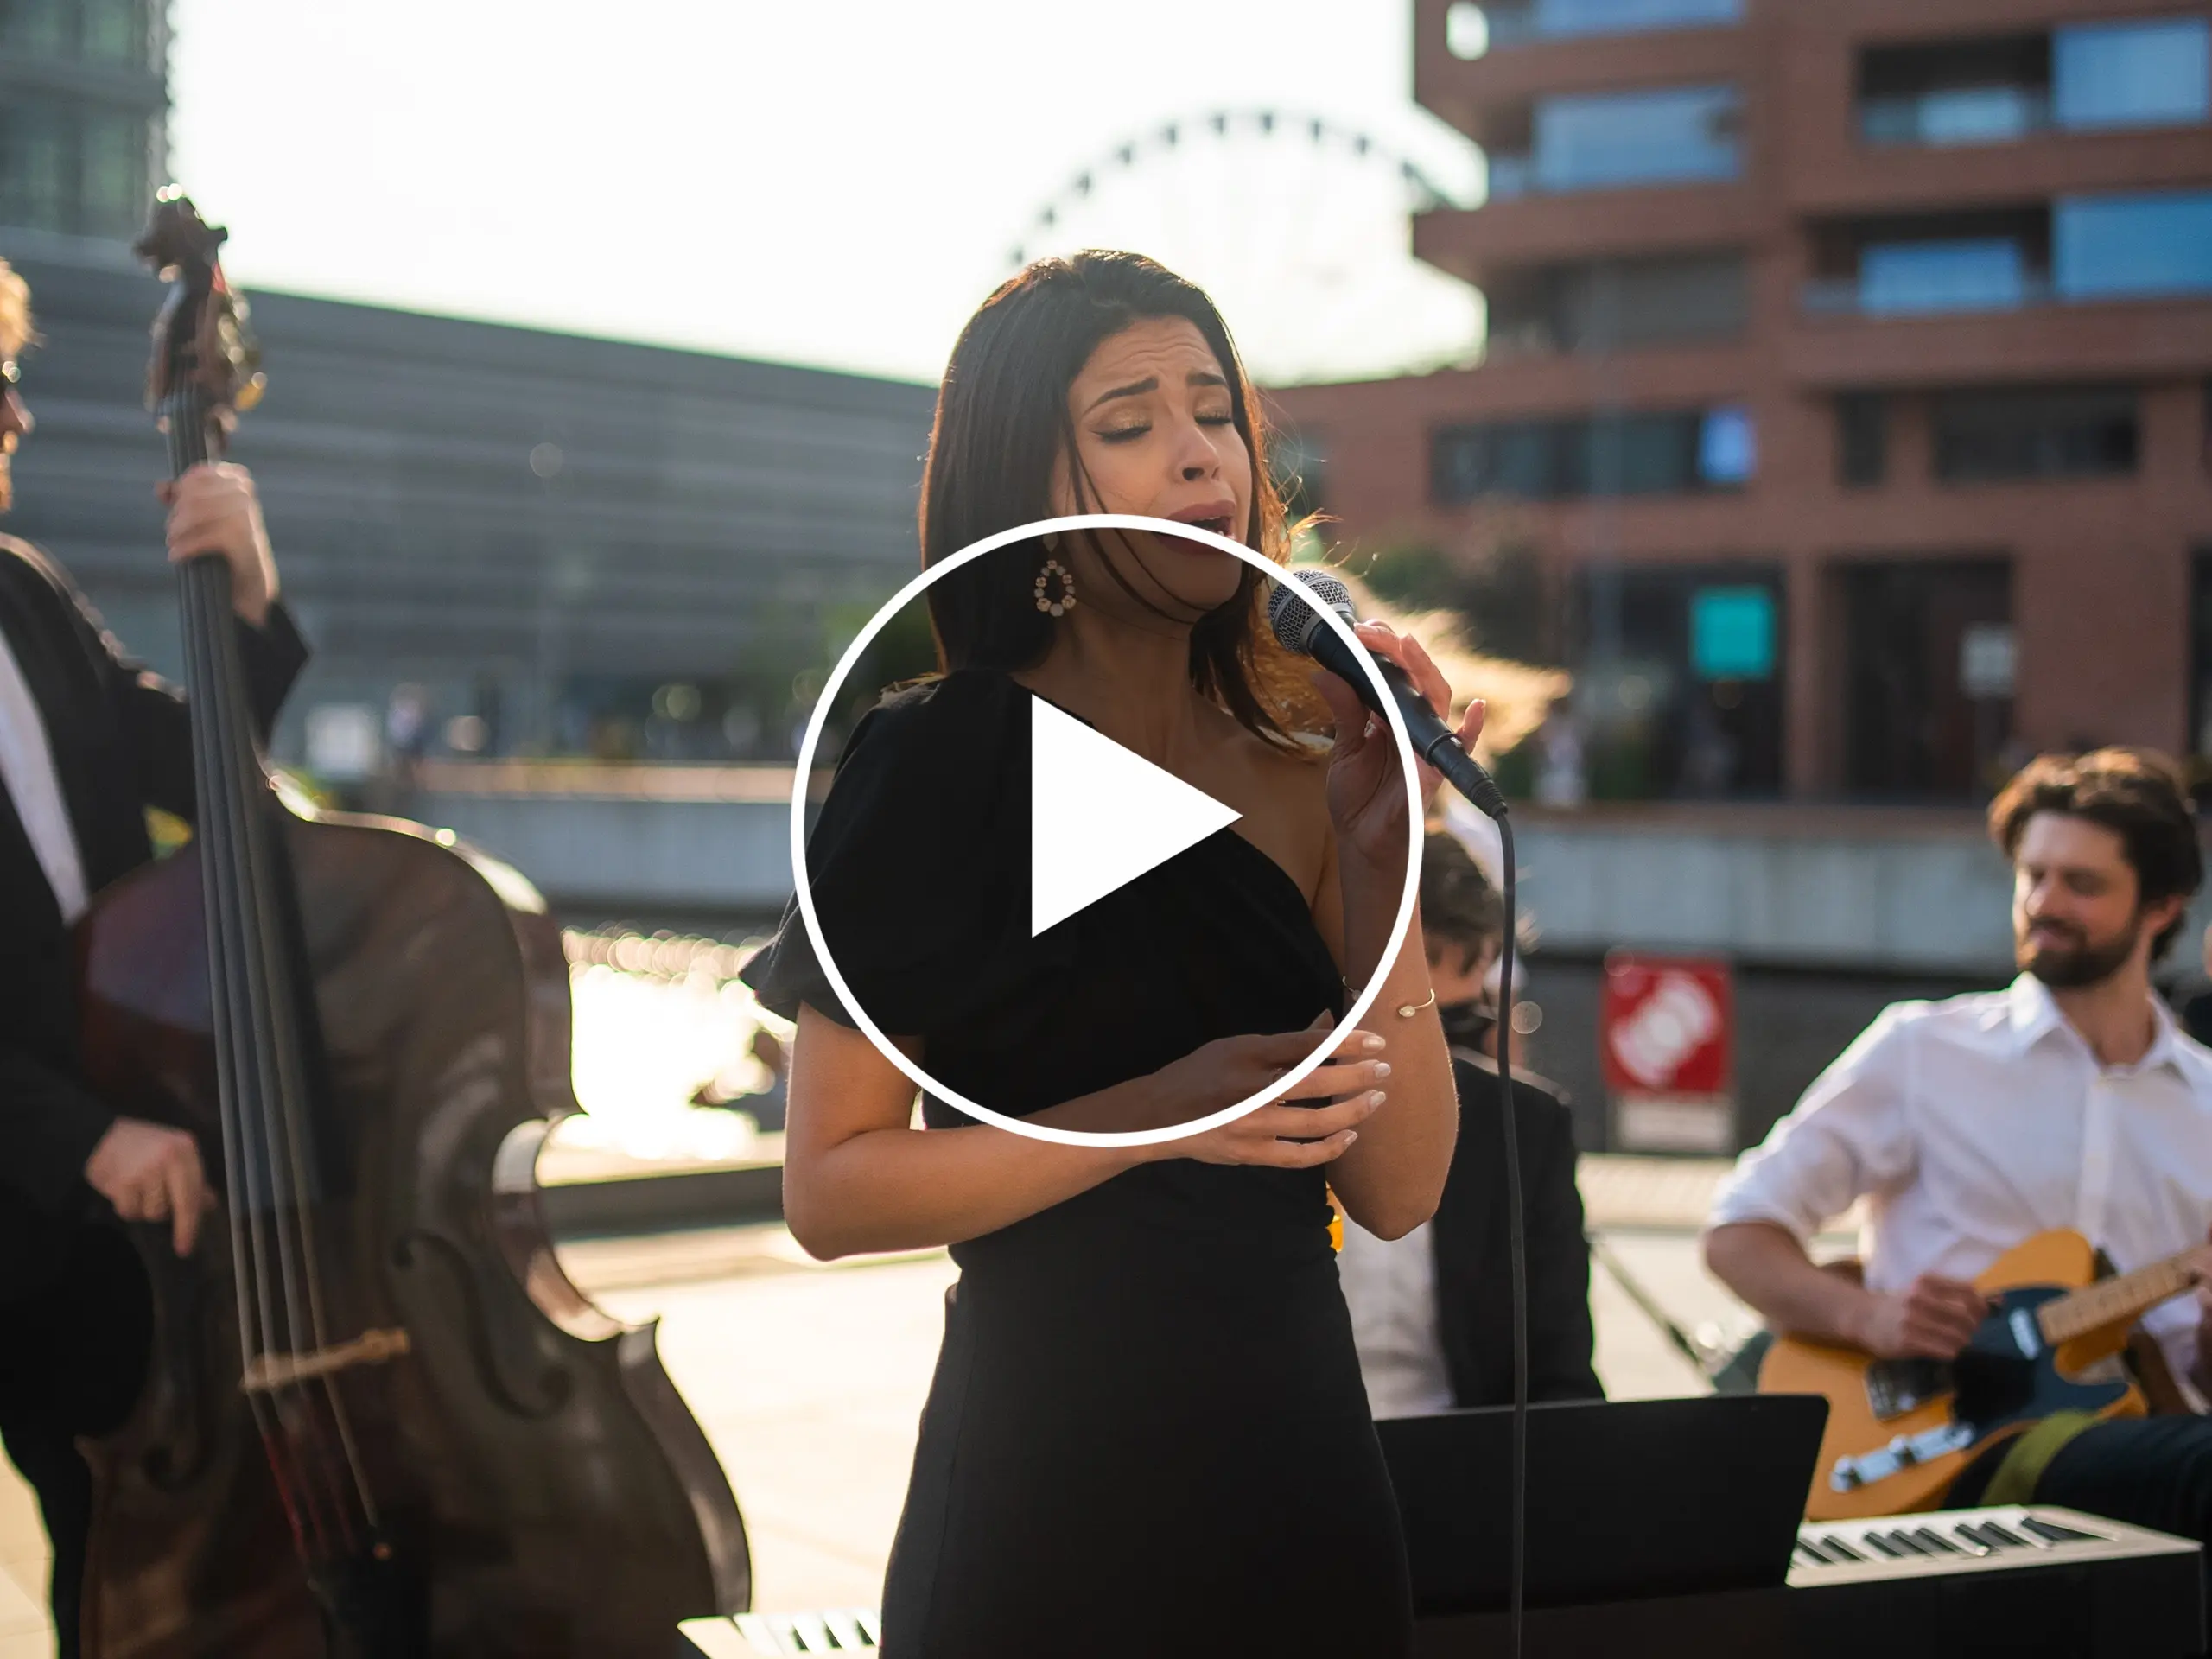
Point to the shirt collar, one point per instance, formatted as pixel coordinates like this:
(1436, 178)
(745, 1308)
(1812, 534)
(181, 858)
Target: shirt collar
(2032, 1014)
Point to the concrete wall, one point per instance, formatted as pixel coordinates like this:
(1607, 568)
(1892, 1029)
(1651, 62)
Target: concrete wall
(1844, 891)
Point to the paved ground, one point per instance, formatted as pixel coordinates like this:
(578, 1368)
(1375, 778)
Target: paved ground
(808, 1379)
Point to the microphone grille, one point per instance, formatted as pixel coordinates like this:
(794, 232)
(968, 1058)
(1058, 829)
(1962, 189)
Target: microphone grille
(1291, 611)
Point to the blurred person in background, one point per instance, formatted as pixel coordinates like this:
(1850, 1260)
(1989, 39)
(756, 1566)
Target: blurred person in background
(89, 740)
(1432, 1312)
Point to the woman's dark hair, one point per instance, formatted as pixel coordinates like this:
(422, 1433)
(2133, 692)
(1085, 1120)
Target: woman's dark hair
(2135, 793)
(1458, 907)
(1002, 425)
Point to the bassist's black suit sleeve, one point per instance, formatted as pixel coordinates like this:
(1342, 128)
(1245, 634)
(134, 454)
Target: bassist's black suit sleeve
(151, 711)
(49, 1120)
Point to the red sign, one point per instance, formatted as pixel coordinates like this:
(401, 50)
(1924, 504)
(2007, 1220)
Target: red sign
(1667, 1026)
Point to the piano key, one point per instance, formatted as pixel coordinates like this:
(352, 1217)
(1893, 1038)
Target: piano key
(1970, 1530)
(1903, 1541)
(1875, 1541)
(845, 1630)
(1990, 1529)
(1963, 1538)
(871, 1624)
(1835, 1545)
(1935, 1541)
(811, 1634)
(1811, 1552)
(2055, 1532)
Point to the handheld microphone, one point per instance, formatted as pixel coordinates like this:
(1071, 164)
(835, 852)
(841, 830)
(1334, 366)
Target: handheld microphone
(1298, 626)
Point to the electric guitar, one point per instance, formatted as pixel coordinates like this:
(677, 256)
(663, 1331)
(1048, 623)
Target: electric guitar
(1900, 1430)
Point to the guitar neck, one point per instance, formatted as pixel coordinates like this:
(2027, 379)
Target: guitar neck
(2116, 1301)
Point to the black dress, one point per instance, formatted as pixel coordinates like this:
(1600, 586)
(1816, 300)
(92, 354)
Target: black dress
(1147, 1433)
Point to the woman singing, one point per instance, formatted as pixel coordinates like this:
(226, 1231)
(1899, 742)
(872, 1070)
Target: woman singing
(1146, 1434)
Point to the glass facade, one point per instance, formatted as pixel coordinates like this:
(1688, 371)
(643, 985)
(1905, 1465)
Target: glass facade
(2133, 74)
(1677, 135)
(1646, 453)
(2121, 247)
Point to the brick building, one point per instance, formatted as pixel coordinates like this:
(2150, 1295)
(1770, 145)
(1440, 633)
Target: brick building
(1848, 379)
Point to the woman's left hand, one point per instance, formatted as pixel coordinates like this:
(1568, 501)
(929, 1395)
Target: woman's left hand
(1367, 792)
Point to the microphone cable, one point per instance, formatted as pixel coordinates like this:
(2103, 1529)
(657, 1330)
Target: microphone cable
(1297, 625)
(1515, 1240)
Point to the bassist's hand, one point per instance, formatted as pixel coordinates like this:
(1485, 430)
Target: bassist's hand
(1933, 1320)
(149, 1172)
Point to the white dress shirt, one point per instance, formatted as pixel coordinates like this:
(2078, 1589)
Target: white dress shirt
(28, 774)
(1390, 1287)
(1974, 1124)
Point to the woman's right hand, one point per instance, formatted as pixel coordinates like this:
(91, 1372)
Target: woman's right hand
(1281, 1135)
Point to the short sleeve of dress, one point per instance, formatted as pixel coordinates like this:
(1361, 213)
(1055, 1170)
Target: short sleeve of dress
(917, 864)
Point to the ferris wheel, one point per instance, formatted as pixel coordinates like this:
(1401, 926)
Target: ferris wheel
(1297, 226)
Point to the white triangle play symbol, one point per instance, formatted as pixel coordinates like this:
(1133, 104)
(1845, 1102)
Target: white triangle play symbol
(1100, 816)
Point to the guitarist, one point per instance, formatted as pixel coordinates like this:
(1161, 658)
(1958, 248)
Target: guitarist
(2069, 1100)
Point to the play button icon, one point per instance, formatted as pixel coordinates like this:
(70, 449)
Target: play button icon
(1099, 816)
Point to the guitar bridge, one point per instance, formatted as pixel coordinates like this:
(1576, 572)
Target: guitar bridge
(1906, 1451)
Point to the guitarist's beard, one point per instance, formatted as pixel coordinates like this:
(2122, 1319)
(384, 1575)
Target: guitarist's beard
(2077, 964)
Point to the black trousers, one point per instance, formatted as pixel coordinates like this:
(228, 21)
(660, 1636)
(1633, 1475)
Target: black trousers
(2153, 1472)
(73, 1363)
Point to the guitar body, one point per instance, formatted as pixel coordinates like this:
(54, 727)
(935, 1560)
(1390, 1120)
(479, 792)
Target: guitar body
(1900, 1431)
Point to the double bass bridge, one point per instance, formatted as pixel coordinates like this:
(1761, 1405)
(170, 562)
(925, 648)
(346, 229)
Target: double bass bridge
(266, 1373)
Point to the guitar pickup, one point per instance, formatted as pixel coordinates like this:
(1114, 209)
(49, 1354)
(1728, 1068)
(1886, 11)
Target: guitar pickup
(1894, 1386)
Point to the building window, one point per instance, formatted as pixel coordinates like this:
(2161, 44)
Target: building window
(1995, 88)
(1598, 141)
(83, 172)
(2146, 73)
(1929, 672)
(2120, 247)
(2200, 662)
(1617, 304)
(1970, 274)
(1678, 679)
(1862, 438)
(2058, 433)
(113, 32)
(1510, 22)
(36, 163)
(1646, 453)
(1971, 92)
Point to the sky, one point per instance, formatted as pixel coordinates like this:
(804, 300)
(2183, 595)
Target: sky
(831, 182)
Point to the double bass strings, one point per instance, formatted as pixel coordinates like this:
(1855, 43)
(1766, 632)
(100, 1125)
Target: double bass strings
(238, 978)
(280, 1052)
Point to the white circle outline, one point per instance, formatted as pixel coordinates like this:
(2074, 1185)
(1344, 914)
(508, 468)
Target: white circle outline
(802, 885)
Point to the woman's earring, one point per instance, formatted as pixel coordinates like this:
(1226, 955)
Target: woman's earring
(1066, 600)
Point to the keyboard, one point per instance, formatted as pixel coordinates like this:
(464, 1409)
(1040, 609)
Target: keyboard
(2032, 1580)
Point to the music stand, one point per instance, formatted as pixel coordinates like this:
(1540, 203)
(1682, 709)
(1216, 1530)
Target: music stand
(1626, 1500)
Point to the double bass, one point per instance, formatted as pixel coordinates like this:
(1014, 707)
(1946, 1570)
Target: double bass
(379, 1422)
